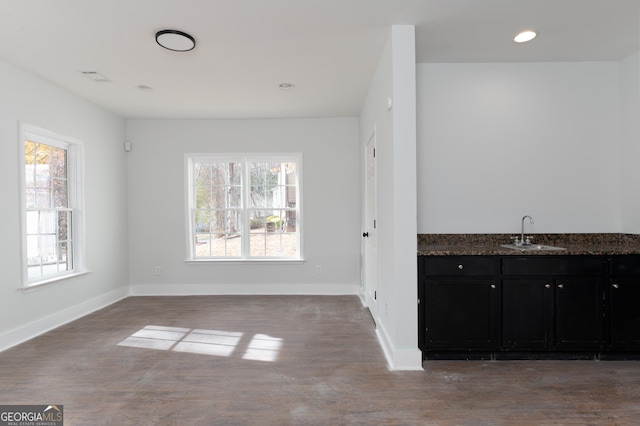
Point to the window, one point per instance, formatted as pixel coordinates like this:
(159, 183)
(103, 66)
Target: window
(244, 207)
(52, 194)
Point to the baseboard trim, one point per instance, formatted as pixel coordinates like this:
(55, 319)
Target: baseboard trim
(42, 325)
(398, 359)
(243, 289)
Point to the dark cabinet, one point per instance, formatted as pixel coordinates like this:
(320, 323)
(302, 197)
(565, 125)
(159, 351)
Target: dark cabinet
(579, 322)
(459, 299)
(552, 314)
(623, 296)
(526, 314)
(529, 306)
(552, 303)
(461, 314)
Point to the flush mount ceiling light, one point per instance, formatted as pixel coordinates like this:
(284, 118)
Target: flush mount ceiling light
(175, 40)
(286, 86)
(525, 36)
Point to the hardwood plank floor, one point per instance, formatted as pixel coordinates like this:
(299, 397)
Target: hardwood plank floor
(289, 360)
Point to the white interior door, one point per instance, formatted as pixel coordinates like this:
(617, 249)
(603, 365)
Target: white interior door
(369, 233)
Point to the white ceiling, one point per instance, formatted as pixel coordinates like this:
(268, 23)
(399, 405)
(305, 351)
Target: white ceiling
(328, 48)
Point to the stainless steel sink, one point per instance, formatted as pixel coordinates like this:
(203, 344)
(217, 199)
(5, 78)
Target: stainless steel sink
(532, 247)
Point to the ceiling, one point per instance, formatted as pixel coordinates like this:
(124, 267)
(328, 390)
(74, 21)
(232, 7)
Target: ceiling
(328, 49)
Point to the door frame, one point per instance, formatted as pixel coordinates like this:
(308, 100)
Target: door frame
(369, 227)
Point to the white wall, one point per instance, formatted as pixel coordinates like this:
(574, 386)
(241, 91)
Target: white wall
(331, 205)
(630, 143)
(396, 197)
(24, 314)
(498, 141)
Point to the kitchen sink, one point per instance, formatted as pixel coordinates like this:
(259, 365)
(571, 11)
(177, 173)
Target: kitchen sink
(532, 247)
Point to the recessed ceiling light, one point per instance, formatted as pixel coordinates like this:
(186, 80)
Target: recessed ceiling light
(95, 76)
(175, 40)
(286, 86)
(525, 36)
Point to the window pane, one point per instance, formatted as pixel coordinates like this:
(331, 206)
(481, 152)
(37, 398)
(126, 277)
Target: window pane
(29, 153)
(33, 251)
(30, 185)
(258, 220)
(42, 191)
(49, 207)
(258, 196)
(226, 245)
(48, 223)
(264, 180)
(33, 222)
(202, 221)
(58, 162)
(233, 196)
(48, 249)
(201, 182)
(273, 185)
(64, 219)
(60, 198)
(43, 155)
(275, 235)
(209, 245)
(64, 258)
(217, 233)
(218, 202)
(257, 243)
(273, 244)
(223, 222)
(218, 185)
(281, 244)
(34, 271)
(291, 183)
(290, 221)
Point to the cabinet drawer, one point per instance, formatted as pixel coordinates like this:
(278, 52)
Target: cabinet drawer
(553, 265)
(459, 265)
(625, 266)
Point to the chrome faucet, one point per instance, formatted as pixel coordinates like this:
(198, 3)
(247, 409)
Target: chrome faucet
(524, 242)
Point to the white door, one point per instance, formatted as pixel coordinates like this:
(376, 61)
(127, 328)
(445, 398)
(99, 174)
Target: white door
(369, 233)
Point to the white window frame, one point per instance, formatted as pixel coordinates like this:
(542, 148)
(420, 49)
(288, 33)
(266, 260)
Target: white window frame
(75, 189)
(245, 159)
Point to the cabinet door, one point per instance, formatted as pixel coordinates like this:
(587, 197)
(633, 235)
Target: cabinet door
(579, 320)
(460, 314)
(624, 313)
(526, 313)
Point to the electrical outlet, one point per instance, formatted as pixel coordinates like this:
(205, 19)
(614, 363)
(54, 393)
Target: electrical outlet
(318, 269)
(158, 270)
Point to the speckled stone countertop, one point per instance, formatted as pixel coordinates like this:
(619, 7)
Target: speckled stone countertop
(489, 244)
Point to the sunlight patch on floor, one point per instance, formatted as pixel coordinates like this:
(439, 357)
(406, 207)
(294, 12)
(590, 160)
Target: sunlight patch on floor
(263, 348)
(260, 347)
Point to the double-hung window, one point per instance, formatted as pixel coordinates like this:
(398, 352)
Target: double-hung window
(52, 201)
(244, 207)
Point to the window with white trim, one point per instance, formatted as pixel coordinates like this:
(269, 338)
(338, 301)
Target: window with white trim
(52, 201)
(244, 206)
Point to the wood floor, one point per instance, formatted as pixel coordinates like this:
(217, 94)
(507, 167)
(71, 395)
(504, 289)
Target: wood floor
(290, 360)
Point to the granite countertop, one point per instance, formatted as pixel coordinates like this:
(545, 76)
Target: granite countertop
(490, 244)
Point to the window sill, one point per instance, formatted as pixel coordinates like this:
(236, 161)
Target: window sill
(33, 286)
(245, 261)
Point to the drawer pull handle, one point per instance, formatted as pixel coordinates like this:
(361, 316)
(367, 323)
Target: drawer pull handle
(493, 286)
(460, 267)
(615, 285)
(547, 286)
(560, 285)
